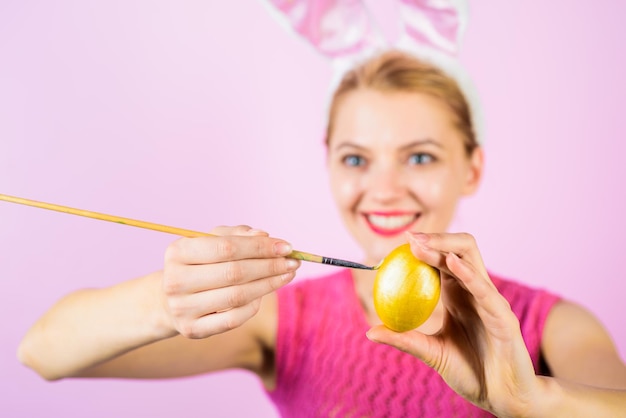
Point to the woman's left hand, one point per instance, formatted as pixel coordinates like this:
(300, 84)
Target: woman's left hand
(479, 351)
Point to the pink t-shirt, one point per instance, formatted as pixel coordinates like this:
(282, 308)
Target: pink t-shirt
(326, 366)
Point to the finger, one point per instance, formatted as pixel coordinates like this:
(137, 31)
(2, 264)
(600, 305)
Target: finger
(242, 230)
(422, 346)
(218, 300)
(462, 244)
(219, 322)
(490, 304)
(200, 277)
(205, 250)
(434, 248)
(435, 258)
(256, 232)
(441, 251)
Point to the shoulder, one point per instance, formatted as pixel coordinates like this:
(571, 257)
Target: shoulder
(529, 303)
(568, 322)
(568, 316)
(572, 341)
(577, 346)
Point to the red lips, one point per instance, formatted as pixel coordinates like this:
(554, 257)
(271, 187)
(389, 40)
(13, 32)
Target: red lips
(390, 223)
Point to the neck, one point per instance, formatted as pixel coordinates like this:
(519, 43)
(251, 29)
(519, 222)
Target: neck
(364, 285)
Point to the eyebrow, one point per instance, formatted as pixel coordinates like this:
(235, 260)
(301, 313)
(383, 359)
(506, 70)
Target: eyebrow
(425, 141)
(418, 142)
(348, 144)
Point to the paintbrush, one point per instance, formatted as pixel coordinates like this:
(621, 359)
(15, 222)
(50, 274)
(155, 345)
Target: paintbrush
(300, 255)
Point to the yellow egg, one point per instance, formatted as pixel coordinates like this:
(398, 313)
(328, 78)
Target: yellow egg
(406, 290)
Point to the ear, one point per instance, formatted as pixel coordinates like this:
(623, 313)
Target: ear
(474, 172)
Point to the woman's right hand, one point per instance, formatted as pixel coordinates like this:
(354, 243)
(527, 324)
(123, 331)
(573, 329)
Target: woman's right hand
(214, 284)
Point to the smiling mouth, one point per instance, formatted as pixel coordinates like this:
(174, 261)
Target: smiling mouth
(390, 224)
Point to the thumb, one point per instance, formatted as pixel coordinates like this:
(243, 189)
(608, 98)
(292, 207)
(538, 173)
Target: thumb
(413, 342)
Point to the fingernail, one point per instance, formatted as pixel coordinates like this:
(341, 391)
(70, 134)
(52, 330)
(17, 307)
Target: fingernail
(421, 237)
(292, 264)
(287, 277)
(282, 248)
(453, 255)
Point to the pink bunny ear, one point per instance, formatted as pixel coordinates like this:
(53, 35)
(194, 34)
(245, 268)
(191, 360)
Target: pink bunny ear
(433, 31)
(342, 30)
(435, 24)
(336, 28)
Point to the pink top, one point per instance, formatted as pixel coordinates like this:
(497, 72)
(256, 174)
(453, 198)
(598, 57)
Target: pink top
(326, 366)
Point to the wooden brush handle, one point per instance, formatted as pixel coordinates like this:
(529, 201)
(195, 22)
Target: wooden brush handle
(136, 223)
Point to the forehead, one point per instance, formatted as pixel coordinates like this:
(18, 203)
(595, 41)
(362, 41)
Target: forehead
(372, 115)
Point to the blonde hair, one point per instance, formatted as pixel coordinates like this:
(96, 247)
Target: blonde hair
(395, 71)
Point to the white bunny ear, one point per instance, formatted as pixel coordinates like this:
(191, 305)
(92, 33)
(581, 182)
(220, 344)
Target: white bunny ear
(341, 30)
(433, 31)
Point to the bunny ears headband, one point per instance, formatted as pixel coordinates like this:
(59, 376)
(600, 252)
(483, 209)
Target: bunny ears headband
(344, 32)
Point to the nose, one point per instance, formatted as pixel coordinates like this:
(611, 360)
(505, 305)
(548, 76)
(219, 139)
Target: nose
(386, 183)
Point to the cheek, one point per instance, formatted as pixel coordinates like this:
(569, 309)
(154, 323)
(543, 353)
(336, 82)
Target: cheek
(436, 191)
(345, 188)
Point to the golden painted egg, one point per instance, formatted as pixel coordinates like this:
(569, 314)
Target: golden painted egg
(406, 290)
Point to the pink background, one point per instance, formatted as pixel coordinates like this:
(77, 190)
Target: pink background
(200, 113)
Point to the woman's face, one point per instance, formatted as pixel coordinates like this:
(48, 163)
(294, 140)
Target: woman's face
(397, 163)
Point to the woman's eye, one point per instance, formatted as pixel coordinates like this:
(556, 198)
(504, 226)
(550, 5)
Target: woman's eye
(421, 158)
(353, 160)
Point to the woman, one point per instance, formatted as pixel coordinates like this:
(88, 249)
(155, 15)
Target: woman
(401, 154)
